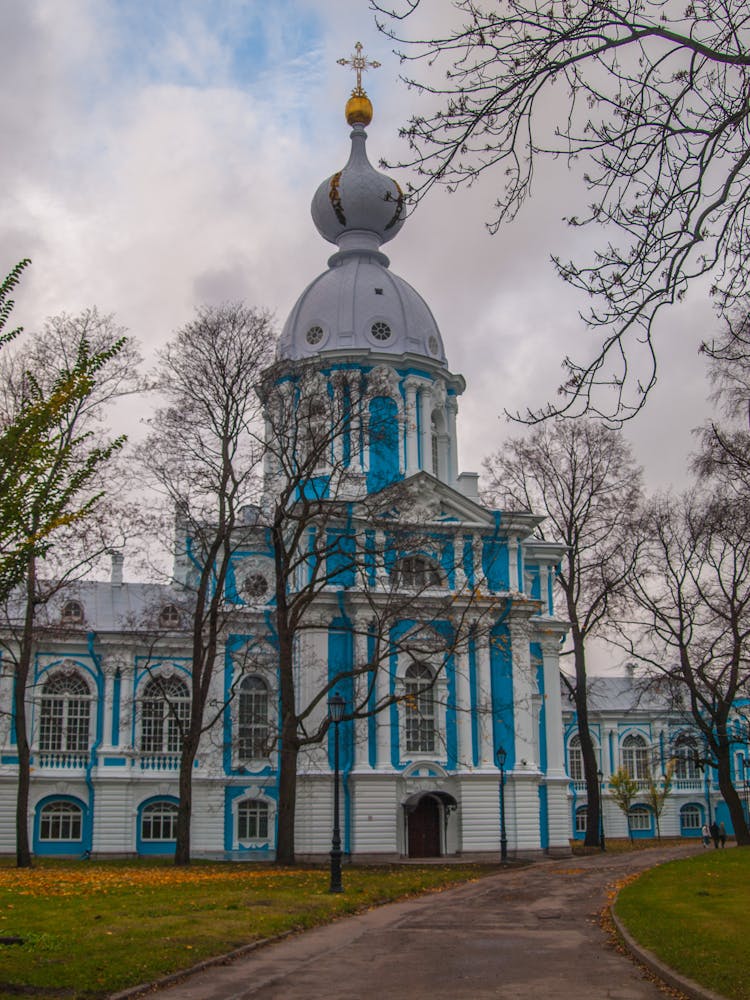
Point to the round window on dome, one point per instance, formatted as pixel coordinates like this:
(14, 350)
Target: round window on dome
(380, 331)
(433, 345)
(314, 335)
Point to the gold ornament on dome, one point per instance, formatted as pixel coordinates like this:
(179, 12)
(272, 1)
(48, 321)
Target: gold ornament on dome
(359, 106)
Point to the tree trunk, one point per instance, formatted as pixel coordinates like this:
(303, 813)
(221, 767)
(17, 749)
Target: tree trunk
(288, 753)
(23, 850)
(588, 753)
(732, 798)
(185, 807)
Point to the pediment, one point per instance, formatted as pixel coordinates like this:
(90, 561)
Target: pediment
(422, 499)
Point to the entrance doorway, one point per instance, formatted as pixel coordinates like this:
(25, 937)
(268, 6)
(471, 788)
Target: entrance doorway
(424, 828)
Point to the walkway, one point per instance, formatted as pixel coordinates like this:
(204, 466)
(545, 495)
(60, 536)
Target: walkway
(520, 934)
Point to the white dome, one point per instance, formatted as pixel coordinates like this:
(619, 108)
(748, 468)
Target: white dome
(358, 304)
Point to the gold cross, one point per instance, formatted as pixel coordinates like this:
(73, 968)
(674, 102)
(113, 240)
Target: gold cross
(358, 62)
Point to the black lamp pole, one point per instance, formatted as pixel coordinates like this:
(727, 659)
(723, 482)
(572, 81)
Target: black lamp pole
(501, 754)
(335, 714)
(600, 775)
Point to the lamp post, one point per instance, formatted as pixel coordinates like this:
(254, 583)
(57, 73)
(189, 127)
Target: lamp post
(336, 706)
(501, 755)
(600, 775)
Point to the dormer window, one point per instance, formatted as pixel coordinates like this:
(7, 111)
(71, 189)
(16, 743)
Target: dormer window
(72, 613)
(416, 573)
(169, 616)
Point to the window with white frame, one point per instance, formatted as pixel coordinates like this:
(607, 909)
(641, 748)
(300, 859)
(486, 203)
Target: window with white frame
(159, 821)
(575, 758)
(72, 613)
(65, 713)
(582, 816)
(639, 818)
(314, 433)
(252, 721)
(165, 714)
(635, 757)
(60, 821)
(252, 820)
(691, 817)
(685, 765)
(419, 708)
(416, 573)
(169, 616)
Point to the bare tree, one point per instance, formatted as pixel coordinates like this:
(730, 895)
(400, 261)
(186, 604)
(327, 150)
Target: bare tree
(690, 620)
(92, 353)
(725, 445)
(582, 477)
(649, 101)
(203, 458)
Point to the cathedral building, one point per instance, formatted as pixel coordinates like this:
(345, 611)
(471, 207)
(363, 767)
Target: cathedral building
(472, 638)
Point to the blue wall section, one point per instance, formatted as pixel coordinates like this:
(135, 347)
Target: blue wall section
(384, 465)
(502, 693)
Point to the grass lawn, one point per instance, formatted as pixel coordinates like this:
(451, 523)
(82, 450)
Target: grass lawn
(694, 915)
(91, 928)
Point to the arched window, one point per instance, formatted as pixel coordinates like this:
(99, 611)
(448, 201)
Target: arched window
(582, 815)
(691, 817)
(65, 714)
(434, 444)
(686, 764)
(159, 821)
(639, 818)
(169, 617)
(419, 708)
(635, 757)
(416, 573)
(72, 613)
(252, 729)
(252, 820)
(314, 433)
(60, 821)
(575, 758)
(165, 715)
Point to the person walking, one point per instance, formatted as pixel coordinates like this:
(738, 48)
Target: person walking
(705, 835)
(715, 834)
(723, 834)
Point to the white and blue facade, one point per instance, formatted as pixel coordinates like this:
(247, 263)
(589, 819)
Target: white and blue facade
(639, 730)
(421, 778)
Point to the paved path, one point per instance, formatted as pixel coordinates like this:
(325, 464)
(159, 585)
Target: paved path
(520, 934)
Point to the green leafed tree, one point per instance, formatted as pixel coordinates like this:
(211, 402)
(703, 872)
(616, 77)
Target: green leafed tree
(624, 790)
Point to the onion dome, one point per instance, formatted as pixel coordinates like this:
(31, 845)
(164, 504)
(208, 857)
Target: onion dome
(358, 305)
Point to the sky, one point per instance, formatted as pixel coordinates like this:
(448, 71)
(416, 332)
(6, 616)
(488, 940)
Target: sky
(161, 154)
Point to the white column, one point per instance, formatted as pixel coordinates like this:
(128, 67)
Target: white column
(513, 583)
(484, 701)
(451, 408)
(107, 702)
(476, 560)
(524, 687)
(458, 563)
(463, 709)
(553, 705)
(361, 729)
(412, 448)
(383, 718)
(425, 405)
(381, 574)
(355, 403)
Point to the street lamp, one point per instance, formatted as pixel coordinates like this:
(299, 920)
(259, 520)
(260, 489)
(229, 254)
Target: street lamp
(501, 755)
(336, 705)
(600, 775)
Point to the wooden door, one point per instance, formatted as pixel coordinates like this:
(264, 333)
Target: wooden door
(424, 829)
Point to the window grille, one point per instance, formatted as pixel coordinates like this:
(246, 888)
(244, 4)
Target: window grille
(253, 719)
(165, 715)
(60, 821)
(635, 757)
(65, 714)
(159, 821)
(252, 820)
(419, 709)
